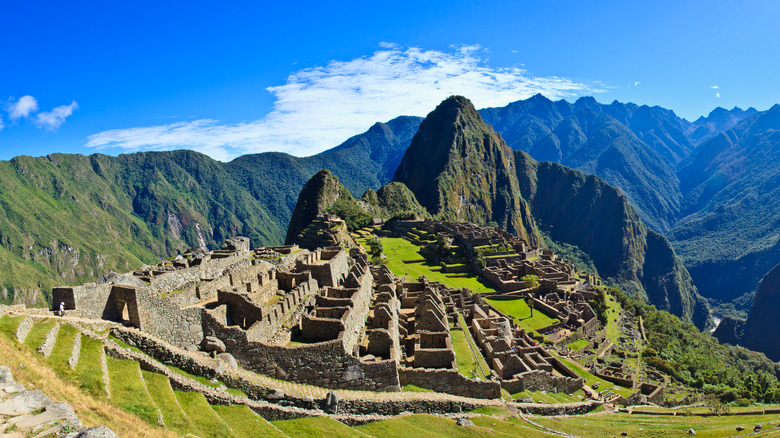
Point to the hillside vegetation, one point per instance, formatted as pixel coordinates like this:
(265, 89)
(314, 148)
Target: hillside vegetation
(69, 219)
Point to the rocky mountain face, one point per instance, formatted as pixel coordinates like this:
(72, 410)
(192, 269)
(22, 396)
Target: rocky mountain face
(585, 211)
(634, 148)
(461, 170)
(317, 195)
(763, 326)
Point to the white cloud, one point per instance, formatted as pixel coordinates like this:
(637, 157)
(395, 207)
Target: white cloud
(23, 107)
(1, 124)
(53, 119)
(636, 84)
(717, 94)
(320, 107)
(714, 87)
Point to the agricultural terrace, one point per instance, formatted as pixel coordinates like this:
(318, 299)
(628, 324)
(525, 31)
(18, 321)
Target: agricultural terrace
(403, 258)
(520, 312)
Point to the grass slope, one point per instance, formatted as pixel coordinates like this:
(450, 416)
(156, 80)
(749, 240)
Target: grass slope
(610, 425)
(128, 391)
(207, 422)
(33, 371)
(173, 416)
(245, 422)
(315, 427)
(89, 371)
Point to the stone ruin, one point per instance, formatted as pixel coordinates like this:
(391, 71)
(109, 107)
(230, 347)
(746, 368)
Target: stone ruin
(327, 317)
(560, 295)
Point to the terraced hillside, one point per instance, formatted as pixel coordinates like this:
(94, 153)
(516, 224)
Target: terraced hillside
(111, 383)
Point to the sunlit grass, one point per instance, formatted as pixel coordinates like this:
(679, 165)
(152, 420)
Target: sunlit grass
(518, 310)
(404, 260)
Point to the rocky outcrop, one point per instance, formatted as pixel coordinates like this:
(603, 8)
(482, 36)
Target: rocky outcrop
(33, 413)
(317, 195)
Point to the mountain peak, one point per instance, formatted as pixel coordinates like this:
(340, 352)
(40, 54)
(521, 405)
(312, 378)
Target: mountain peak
(458, 167)
(586, 102)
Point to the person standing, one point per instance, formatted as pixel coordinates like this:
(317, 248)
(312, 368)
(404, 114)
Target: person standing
(62, 308)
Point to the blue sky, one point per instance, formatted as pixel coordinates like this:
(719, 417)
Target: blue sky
(241, 77)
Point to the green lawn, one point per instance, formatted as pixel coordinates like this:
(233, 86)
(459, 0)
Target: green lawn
(551, 397)
(467, 364)
(590, 379)
(429, 426)
(38, 333)
(613, 313)
(519, 310)
(8, 324)
(63, 348)
(470, 364)
(160, 388)
(404, 260)
(89, 370)
(578, 345)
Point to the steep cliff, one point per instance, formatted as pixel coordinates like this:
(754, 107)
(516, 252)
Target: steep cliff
(460, 169)
(762, 328)
(584, 211)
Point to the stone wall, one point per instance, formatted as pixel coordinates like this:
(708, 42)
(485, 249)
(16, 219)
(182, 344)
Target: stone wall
(361, 302)
(201, 366)
(208, 289)
(90, 300)
(559, 409)
(241, 310)
(327, 364)
(328, 267)
(538, 380)
(449, 382)
(180, 327)
(214, 268)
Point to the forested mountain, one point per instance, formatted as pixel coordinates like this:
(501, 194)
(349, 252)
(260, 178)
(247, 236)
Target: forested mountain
(71, 219)
(730, 213)
(631, 147)
(584, 211)
(718, 120)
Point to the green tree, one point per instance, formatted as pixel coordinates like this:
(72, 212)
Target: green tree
(530, 280)
(375, 250)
